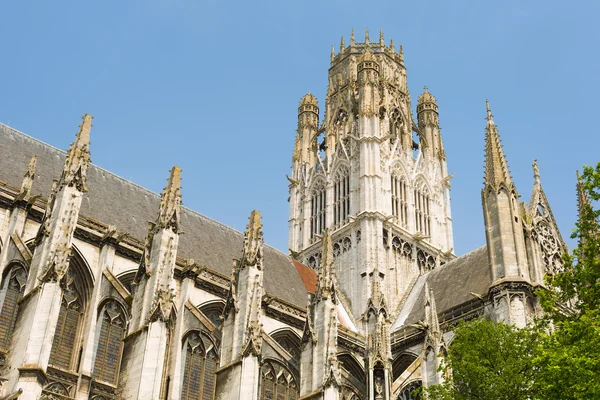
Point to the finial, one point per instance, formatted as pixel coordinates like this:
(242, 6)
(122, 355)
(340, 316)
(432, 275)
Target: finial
(367, 37)
(342, 46)
(536, 171)
(78, 157)
(425, 89)
(489, 111)
(392, 46)
(381, 41)
(332, 53)
(401, 53)
(28, 177)
(170, 202)
(253, 241)
(496, 166)
(352, 41)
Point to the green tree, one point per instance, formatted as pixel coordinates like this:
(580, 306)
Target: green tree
(489, 360)
(569, 357)
(559, 356)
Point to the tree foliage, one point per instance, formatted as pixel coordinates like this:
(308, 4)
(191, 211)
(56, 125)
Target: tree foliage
(558, 357)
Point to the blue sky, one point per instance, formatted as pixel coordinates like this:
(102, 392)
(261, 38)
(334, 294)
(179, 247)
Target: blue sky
(213, 86)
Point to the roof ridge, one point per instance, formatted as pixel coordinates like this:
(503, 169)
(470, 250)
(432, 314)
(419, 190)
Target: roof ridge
(157, 195)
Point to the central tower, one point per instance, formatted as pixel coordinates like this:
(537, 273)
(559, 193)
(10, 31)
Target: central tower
(373, 175)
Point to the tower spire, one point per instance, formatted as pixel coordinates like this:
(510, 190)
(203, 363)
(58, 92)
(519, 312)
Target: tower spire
(332, 52)
(352, 41)
(342, 45)
(381, 41)
(496, 167)
(367, 37)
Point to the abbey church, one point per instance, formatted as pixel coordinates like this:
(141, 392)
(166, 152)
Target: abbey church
(97, 303)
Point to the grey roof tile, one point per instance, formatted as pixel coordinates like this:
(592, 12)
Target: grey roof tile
(116, 201)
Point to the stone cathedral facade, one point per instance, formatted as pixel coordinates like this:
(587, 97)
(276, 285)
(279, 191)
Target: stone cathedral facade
(103, 296)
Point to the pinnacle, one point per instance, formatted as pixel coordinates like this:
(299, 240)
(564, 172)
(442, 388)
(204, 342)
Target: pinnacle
(496, 167)
(170, 201)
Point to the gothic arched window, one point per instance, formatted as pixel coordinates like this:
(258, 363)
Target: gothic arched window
(277, 383)
(14, 285)
(410, 391)
(213, 312)
(66, 334)
(341, 198)
(399, 200)
(422, 212)
(110, 342)
(317, 207)
(289, 341)
(199, 368)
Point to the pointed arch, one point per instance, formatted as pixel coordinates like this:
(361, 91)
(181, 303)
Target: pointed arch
(289, 340)
(341, 194)
(318, 205)
(199, 367)
(12, 289)
(213, 310)
(401, 363)
(422, 193)
(113, 319)
(77, 285)
(399, 190)
(410, 390)
(277, 382)
(354, 368)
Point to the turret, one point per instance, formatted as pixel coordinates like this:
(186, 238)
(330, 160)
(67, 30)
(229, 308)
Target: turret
(308, 125)
(427, 115)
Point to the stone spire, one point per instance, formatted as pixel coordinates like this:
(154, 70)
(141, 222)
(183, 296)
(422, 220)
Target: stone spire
(342, 45)
(434, 332)
(496, 167)
(536, 171)
(401, 54)
(252, 254)
(352, 41)
(170, 202)
(381, 41)
(367, 38)
(327, 280)
(78, 158)
(332, 52)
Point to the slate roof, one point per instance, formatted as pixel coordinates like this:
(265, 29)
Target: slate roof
(115, 201)
(452, 284)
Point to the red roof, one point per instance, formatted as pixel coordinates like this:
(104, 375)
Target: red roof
(308, 276)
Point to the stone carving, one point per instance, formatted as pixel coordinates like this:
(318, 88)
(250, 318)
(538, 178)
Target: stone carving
(253, 242)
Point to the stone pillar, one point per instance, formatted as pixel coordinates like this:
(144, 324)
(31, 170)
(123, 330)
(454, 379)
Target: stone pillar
(39, 309)
(146, 345)
(239, 375)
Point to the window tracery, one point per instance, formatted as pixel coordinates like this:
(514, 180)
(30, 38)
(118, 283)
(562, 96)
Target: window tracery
(410, 391)
(399, 200)
(422, 211)
(277, 383)
(110, 342)
(551, 249)
(289, 341)
(67, 328)
(317, 206)
(14, 286)
(199, 369)
(341, 198)
(213, 312)
(425, 261)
